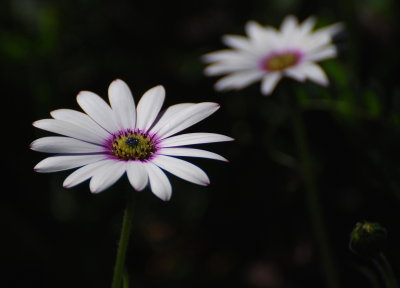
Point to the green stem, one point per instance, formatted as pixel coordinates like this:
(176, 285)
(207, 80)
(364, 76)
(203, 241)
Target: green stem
(125, 280)
(310, 186)
(123, 244)
(386, 271)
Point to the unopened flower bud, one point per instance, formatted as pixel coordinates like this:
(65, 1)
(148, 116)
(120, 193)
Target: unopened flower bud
(368, 239)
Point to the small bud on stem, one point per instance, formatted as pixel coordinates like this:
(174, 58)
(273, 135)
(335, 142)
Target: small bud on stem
(368, 239)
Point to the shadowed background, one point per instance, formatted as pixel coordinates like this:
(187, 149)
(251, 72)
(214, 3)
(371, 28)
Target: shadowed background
(250, 227)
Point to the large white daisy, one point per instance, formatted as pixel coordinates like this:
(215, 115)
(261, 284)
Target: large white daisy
(107, 142)
(267, 55)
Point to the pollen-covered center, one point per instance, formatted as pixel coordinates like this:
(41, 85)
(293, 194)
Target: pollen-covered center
(133, 146)
(281, 61)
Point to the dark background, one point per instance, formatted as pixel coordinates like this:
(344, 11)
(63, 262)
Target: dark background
(250, 227)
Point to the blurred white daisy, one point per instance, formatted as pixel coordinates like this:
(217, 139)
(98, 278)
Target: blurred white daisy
(267, 54)
(107, 142)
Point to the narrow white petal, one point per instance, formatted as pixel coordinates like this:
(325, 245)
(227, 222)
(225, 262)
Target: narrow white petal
(330, 30)
(68, 129)
(296, 73)
(137, 175)
(221, 55)
(226, 83)
(322, 37)
(289, 24)
(159, 182)
(149, 106)
(238, 64)
(58, 144)
(254, 30)
(326, 53)
(107, 175)
(122, 104)
(186, 118)
(238, 80)
(80, 119)
(269, 82)
(98, 110)
(194, 138)
(238, 42)
(265, 39)
(316, 74)
(65, 162)
(169, 113)
(191, 152)
(84, 173)
(307, 26)
(182, 169)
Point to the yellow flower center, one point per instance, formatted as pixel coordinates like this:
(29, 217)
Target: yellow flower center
(281, 61)
(133, 146)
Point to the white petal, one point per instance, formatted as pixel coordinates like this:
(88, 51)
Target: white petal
(182, 169)
(254, 30)
(122, 104)
(236, 65)
(65, 162)
(307, 26)
(149, 106)
(80, 119)
(330, 30)
(194, 138)
(98, 110)
(191, 152)
(159, 182)
(269, 82)
(316, 74)
(186, 118)
(296, 73)
(326, 53)
(221, 55)
(238, 42)
(58, 144)
(268, 39)
(84, 173)
(238, 80)
(107, 175)
(289, 24)
(322, 37)
(68, 129)
(137, 175)
(169, 113)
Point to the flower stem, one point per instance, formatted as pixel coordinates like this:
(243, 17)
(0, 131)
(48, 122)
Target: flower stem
(382, 264)
(313, 201)
(125, 280)
(123, 244)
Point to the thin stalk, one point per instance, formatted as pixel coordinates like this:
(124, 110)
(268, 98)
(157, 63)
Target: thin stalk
(386, 270)
(125, 280)
(123, 244)
(313, 201)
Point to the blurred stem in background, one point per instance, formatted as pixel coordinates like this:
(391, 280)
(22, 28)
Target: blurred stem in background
(127, 221)
(125, 280)
(310, 186)
(386, 271)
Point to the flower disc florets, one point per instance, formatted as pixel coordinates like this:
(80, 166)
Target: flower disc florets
(281, 61)
(130, 145)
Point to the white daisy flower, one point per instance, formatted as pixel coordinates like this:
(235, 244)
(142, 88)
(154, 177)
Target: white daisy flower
(108, 142)
(268, 55)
